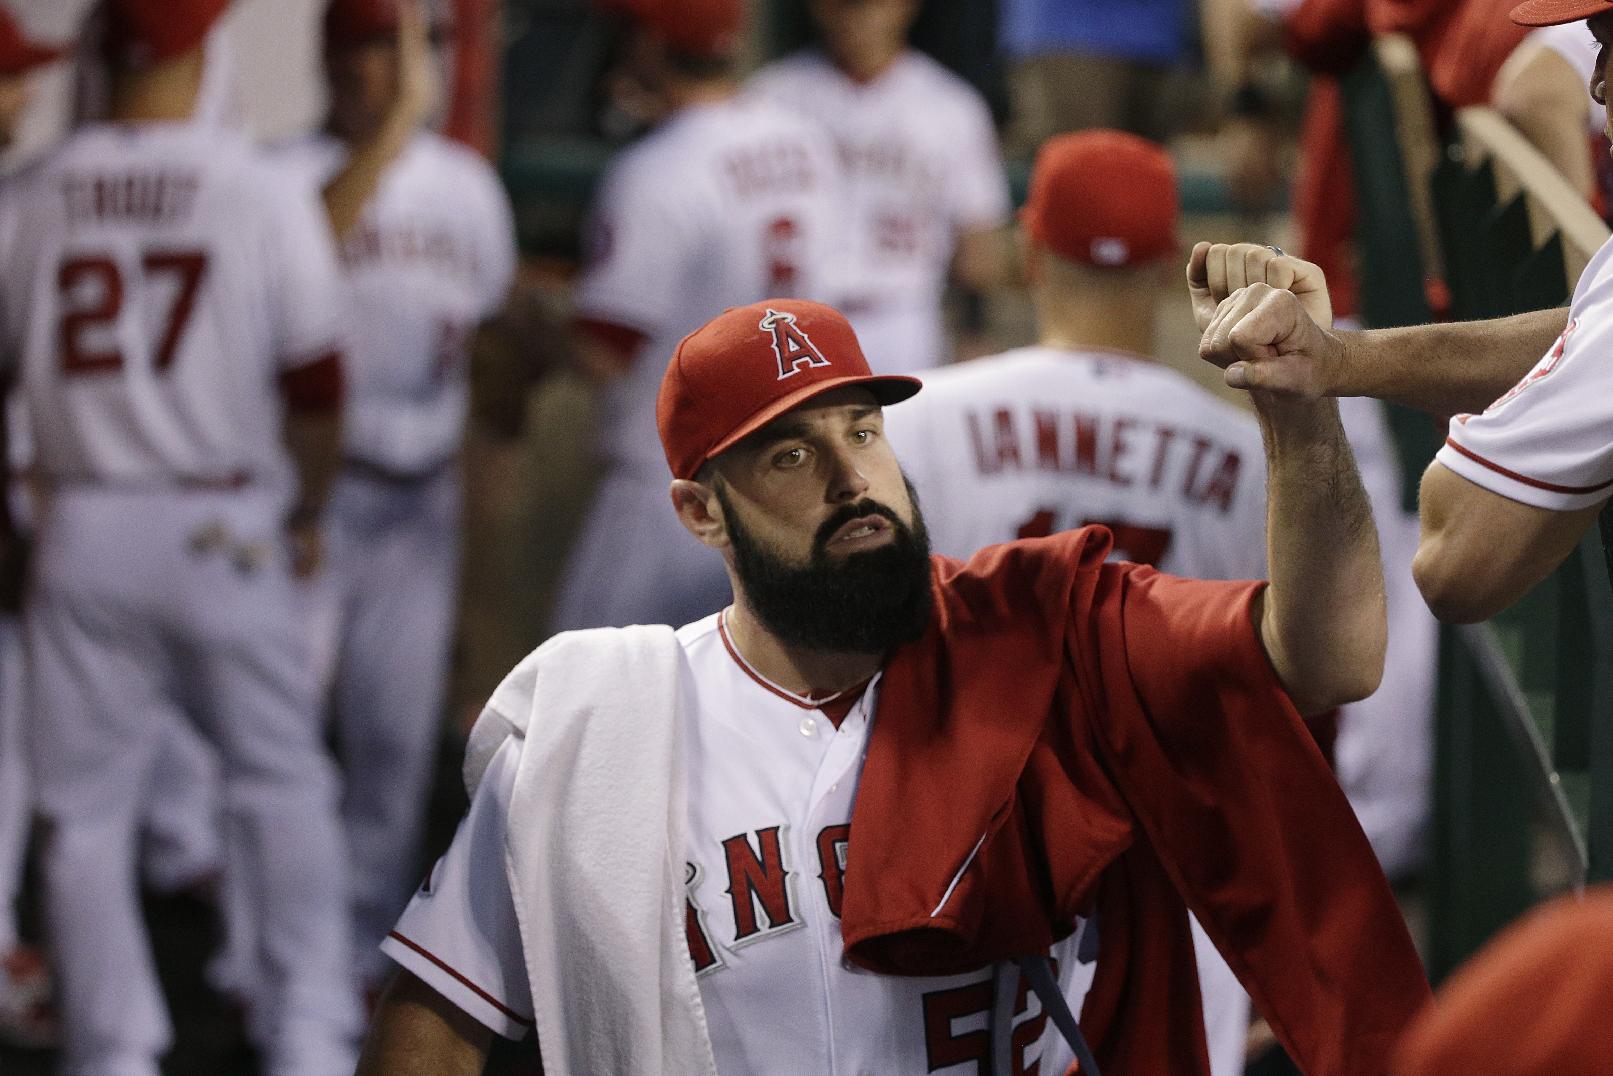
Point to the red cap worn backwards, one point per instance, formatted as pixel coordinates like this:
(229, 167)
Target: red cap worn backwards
(1104, 198)
(18, 55)
(1553, 12)
(747, 367)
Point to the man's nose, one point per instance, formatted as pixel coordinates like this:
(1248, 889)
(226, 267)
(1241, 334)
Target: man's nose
(846, 482)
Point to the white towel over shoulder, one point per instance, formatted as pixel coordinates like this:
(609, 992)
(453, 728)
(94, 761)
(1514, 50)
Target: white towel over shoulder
(595, 852)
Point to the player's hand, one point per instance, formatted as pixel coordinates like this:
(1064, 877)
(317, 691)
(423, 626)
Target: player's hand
(306, 540)
(419, 86)
(1216, 270)
(1267, 342)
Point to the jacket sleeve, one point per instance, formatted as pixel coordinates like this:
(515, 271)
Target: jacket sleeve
(1246, 819)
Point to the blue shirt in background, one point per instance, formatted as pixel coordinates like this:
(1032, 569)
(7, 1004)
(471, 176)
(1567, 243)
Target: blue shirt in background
(1153, 31)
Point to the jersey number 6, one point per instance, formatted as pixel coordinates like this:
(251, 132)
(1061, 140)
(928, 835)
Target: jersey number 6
(91, 292)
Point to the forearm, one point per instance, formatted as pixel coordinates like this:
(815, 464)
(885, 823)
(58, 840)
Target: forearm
(1453, 368)
(1324, 619)
(348, 191)
(416, 1032)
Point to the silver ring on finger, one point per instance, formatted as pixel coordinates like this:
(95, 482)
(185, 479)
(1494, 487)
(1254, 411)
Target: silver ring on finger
(1277, 250)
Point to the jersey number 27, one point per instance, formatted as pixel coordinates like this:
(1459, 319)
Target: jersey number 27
(90, 290)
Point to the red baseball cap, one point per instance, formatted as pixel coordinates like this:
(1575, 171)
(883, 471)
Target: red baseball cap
(1105, 198)
(1552, 12)
(18, 55)
(743, 369)
(358, 22)
(696, 27)
(151, 31)
(1535, 1001)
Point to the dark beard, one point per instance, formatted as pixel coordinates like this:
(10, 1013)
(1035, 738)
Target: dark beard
(865, 603)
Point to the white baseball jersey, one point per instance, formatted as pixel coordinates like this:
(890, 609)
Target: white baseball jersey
(921, 162)
(771, 786)
(1547, 442)
(162, 277)
(724, 204)
(430, 259)
(1041, 440)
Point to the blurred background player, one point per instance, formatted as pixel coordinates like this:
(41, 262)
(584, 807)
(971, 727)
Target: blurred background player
(426, 258)
(925, 197)
(180, 289)
(24, 978)
(728, 201)
(1087, 426)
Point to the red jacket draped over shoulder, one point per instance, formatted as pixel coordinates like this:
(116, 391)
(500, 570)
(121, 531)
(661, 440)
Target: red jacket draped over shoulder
(1072, 735)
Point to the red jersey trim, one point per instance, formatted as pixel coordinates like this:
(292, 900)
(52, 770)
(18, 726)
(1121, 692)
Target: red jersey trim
(478, 991)
(802, 701)
(1551, 487)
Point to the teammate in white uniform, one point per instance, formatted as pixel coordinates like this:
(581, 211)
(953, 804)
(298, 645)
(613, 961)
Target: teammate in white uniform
(726, 202)
(430, 258)
(176, 286)
(1087, 428)
(926, 196)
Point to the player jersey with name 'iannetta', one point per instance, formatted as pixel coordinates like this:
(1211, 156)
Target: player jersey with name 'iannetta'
(1041, 440)
(726, 203)
(1548, 441)
(921, 164)
(430, 258)
(771, 786)
(161, 278)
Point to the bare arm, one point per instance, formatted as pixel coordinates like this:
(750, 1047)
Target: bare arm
(982, 259)
(348, 191)
(418, 1032)
(1446, 369)
(1323, 619)
(1481, 551)
(314, 441)
(1544, 97)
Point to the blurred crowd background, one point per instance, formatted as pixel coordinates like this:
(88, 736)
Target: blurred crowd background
(1299, 123)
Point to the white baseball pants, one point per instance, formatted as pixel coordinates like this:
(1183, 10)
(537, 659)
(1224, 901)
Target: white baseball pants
(141, 601)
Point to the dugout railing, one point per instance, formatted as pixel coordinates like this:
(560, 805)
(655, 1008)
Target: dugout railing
(1523, 781)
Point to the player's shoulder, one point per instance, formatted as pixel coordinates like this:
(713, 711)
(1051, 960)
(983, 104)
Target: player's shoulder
(920, 75)
(450, 160)
(803, 70)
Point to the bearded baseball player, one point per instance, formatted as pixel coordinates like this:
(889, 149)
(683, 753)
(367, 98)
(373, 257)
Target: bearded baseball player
(827, 828)
(925, 192)
(177, 351)
(1086, 427)
(727, 201)
(428, 259)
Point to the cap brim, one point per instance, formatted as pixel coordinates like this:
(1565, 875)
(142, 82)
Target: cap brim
(887, 389)
(1556, 12)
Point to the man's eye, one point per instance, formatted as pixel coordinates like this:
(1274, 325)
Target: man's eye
(862, 437)
(789, 457)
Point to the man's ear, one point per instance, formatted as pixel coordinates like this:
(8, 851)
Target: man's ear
(700, 512)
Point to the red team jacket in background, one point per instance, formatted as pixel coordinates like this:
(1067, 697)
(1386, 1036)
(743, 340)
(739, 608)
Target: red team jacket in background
(1071, 736)
(1462, 44)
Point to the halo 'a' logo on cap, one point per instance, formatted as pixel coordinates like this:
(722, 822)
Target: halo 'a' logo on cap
(794, 348)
